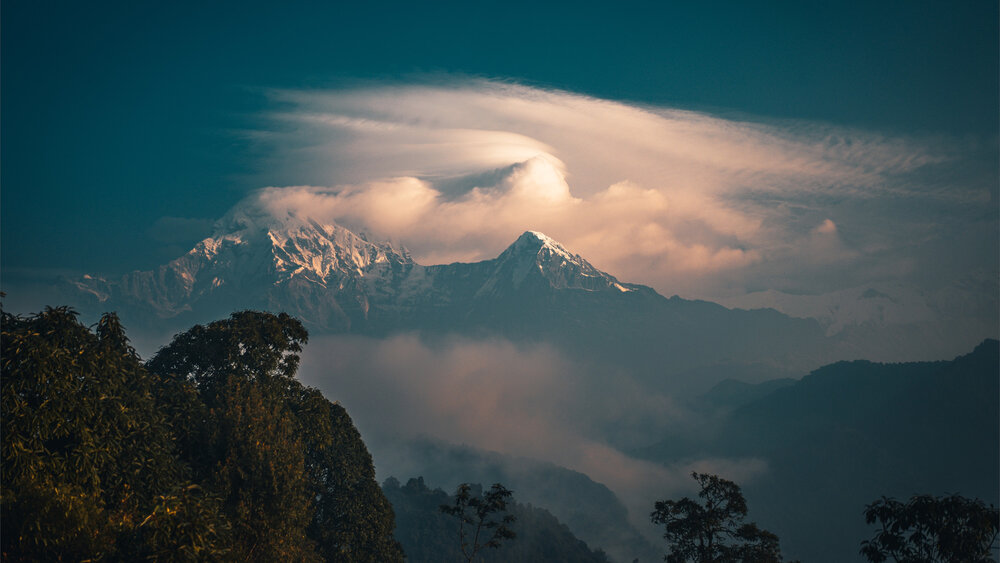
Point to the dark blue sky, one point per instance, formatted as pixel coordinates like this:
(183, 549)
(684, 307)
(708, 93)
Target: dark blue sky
(115, 114)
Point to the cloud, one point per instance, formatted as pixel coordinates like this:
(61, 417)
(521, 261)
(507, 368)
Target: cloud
(683, 201)
(827, 227)
(526, 401)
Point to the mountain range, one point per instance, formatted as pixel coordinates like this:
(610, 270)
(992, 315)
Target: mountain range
(337, 281)
(850, 432)
(733, 365)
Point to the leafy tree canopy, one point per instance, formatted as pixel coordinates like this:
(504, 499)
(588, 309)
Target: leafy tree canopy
(210, 451)
(712, 529)
(483, 518)
(89, 468)
(948, 529)
(297, 481)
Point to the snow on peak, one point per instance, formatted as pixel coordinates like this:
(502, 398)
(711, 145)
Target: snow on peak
(289, 244)
(540, 236)
(534, 253)
(535, 241)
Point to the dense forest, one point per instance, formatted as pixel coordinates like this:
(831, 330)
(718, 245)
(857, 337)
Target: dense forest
(212, 450)
(428, 535)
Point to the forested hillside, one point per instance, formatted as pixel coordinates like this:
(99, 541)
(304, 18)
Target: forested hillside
(210, 451)
(851, 432)
(430, 536)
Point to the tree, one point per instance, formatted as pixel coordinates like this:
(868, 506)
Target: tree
(929, 529)
(296, 480)
(480, 512)
(352, 519)
(713, 530)
(427, 534)
(212, 450)
(89, 467)
(244, 443)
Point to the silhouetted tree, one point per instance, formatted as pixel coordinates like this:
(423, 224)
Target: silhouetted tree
(428, 535)
(712, 530)
(478, 516)
(948, 529)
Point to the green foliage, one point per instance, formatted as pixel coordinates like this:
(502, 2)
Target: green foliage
(949, 529)
(713, 530)
(211, 451)
(352, 520)
(477, 514)
(296, 480)
(186, 524)
(249, 346)
(88, 460)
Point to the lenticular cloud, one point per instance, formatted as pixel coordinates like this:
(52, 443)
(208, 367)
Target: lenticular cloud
(682, 201)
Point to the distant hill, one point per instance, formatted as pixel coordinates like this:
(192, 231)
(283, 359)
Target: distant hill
(589, 509)
(429, 536)
(850, 432)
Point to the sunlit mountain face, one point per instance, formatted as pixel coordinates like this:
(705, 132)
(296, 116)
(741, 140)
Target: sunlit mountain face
(337, 281)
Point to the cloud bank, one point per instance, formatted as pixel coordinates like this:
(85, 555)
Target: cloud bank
(524, 401)
(682, 201)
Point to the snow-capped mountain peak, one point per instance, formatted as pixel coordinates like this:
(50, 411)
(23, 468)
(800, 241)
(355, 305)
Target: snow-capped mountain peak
(296, 245)
(334, 279)
(538, 257)
(535, 241)
(320, 271)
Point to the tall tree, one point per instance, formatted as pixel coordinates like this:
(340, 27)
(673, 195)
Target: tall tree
(713, 529)
(483, 518)
(948, 529)
(296, 479)
(352, 519)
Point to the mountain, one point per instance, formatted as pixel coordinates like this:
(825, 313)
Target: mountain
(850, 432)
(893, 321)
(429, 536)
(592, 511)
(322, 273)
(337, 281)
(331, 278)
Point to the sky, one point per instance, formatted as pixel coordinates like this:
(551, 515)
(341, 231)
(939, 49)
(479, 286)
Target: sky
(705, 149)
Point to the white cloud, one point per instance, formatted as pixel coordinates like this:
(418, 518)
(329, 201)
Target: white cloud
(827, 227)
(525, 401)
(682, 201)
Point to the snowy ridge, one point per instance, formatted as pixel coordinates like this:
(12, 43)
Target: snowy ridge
(302, 246)
(534, 254)
(323, 273)
(333, 278)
